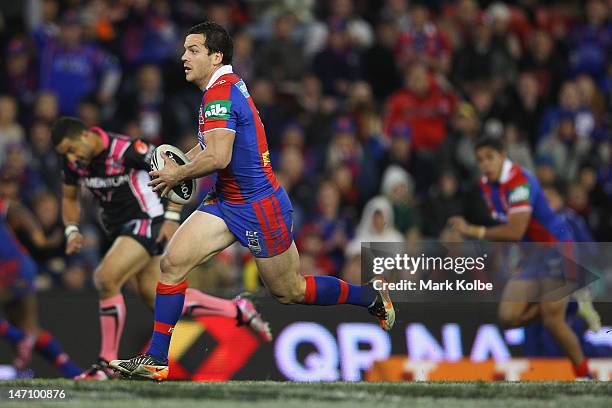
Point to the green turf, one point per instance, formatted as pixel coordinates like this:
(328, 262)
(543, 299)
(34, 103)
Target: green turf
(253, 394)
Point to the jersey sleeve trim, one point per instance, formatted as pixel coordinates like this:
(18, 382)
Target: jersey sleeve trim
(520, 208)
(220, 128)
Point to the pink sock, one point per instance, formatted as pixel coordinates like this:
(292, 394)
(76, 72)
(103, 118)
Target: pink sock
(112, 319)
(201, 304)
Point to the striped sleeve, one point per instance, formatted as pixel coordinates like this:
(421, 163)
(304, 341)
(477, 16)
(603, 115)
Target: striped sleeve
(219, 109)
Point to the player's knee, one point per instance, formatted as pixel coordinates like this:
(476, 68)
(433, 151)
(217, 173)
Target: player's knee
(551, 315)
(172, 270)
(105, 282)
(290, 295)
(169, 263)
(509, 319)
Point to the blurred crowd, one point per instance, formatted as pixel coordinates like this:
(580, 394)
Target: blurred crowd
(371, 109)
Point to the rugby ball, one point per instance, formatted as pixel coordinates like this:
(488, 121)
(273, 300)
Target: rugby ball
(183, 192)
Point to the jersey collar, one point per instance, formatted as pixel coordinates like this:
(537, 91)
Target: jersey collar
(505, 173)
(225, 69)
(103, 135)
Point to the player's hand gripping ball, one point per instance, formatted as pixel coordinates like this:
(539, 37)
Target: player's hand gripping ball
(183, 191)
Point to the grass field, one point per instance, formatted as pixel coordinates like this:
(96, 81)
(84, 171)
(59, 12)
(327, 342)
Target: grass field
(254, 394)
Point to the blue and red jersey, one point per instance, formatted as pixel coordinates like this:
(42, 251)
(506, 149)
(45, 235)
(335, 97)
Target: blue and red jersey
(226, 104)
(518, 190)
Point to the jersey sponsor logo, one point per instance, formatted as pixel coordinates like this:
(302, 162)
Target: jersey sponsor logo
(519, 194)
(216, 110)
(242, 88)
(265, 157)
(253, 242)
(140, 147)
(106, 182)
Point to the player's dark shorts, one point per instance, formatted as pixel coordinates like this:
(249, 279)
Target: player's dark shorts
(264, 226)
(17, 274)
(554, 261)
(144, 230)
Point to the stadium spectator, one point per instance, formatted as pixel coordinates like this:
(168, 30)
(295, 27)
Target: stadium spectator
(146, 110)
(398, 187)
(46, 108)
(148, 35)
(17, 172)
(465, 131)
(565, 148)
(444, 200)
(338, 63)
(505, 43)
(376, 225)
(458, 20)
(517, 147)
(423, 42)
(280, 57)
(18, 77)
(591, 43)
(525, 107)
(422, 105)
(332, 226)
(44, 160)
(11, 132)
(569, 105)
(396, 13)
(295, 181)
(243, 60)
(473, 61)
(315, 261)
(341, 13)
(89, 111)
(543, 59)
(379, 67)
(592, 100)
(72, 69)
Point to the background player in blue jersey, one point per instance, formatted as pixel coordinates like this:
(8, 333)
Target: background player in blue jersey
(517, 202)
(17, 295)
(248, 205)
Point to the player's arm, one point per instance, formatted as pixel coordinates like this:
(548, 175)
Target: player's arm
(191, 154)
(512, 231)
(71, 214)
(519, 213)
(19, 217)
(216, 156)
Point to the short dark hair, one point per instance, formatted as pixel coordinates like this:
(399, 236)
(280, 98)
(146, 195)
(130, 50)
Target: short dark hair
(66, 126)
(494, 143)
(216, 39)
